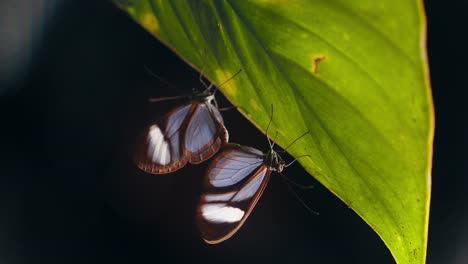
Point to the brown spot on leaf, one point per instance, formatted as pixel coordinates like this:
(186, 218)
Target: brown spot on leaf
(315, 62)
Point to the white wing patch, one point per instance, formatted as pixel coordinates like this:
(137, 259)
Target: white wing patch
(158, 148)
(221, 213)
(164, 148)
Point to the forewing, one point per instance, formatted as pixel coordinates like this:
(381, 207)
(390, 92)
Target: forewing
(205, 133)
(160, 150)
(234, 182)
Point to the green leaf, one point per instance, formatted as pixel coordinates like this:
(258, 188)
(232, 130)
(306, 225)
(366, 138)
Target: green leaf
(354, 73)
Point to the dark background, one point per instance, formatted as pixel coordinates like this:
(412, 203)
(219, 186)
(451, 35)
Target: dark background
(73, 98)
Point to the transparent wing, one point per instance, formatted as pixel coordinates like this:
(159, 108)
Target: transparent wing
(161, 151)
(205, 133)
(234, 183)
(234, 164)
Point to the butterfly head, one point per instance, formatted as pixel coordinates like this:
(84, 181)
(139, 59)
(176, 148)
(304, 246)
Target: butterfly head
(274, 161)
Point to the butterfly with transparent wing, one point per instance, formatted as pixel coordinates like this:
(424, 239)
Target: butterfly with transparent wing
(192, 133)
(234, 182)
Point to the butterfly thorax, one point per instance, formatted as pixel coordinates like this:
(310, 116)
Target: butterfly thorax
(203, 96)
(274, 161)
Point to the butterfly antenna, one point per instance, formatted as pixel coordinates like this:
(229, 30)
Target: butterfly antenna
(230, 78)
(300, 199)
(226, 108)
(207, 87)
(274, 140)
(289, 164)
(297, 185)
(308, 131)
(168, 84)
(155, 100)
(268, 127)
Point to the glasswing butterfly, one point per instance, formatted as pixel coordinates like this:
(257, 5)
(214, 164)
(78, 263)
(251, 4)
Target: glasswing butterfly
(234, 182)
(193, 133)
